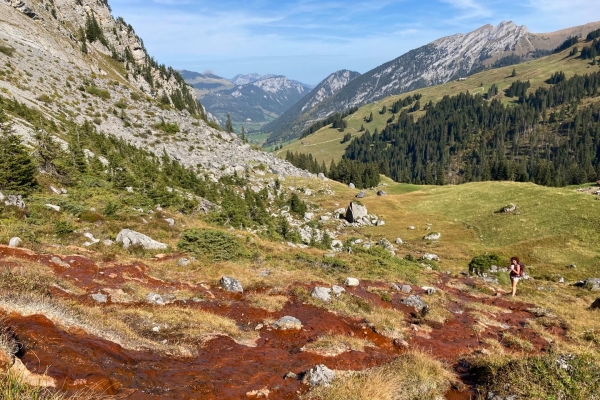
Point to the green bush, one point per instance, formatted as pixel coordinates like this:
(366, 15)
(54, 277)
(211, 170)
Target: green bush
(549, 376)
(63, 227)
(96, 91)
(481, 264)
(212, 244)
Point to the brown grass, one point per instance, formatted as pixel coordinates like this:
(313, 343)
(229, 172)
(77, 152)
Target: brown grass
(413, 376)
(271, 303)
(332, 345)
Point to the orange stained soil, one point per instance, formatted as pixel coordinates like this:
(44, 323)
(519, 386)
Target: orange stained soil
(223, 369)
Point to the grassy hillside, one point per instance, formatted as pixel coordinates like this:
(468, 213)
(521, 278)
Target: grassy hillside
(326, 145)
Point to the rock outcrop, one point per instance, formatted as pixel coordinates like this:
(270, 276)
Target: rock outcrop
(130, 238)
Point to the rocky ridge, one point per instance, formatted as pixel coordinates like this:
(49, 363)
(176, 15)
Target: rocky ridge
(438, 62)
(116, 85)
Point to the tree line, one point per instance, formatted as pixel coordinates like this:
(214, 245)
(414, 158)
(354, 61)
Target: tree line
(549, 137)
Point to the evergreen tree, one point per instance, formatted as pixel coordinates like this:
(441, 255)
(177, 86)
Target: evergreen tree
(514, 73)
(243, 135)
(228, 125)
(17, 169)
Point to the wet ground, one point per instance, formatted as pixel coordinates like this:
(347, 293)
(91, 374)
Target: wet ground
(223, 369)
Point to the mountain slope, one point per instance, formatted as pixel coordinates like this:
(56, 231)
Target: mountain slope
(324, 90)
(73, 61)
(205, 82)
(326, 144)
(437, 62)
(252, 104)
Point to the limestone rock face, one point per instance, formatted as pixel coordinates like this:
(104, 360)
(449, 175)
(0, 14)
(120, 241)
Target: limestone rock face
(130, 238)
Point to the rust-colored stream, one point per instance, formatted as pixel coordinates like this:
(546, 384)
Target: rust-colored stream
(222, 368)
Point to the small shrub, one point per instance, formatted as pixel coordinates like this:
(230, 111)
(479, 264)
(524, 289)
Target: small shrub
(63, 227)
(210, 243)
(6, 50)
(96, 91)
(482, 264)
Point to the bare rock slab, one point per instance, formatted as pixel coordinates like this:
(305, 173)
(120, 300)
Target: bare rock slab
(129, 238)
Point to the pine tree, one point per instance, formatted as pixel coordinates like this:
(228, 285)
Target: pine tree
(514, 73)
(17, 169)
(228, 125)
(243, 135)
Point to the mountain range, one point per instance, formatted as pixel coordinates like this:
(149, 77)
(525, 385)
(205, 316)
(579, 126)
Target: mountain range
(440, 61)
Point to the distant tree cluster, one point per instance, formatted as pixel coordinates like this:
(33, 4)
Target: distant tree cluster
(408, 100)
(550, 137)
(350, 171)
(517, 89)
(306, 161)
(337, 120)
(567, 43)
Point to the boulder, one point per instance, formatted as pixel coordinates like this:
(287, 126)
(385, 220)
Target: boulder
(15, 242)
(381, 193)
(386, 244)
(321, 293)
(351, 185)
(416, 302)
(509, 208)
(431, 257)
(287, 323)
(155, 298)
(170, 221)
(14, 200)
(337, 244)
(412, 228)
(56, 260)
(337, 290)
(231, 284)
(53, 207)
(183, 262)
(355, 212)
(361, 195)
(99, 297)
(592, 284)
(399, 241)
(595, 305)
(319, 376)
(352, 282)
(433, 236)
(406, 288)
(129, 238)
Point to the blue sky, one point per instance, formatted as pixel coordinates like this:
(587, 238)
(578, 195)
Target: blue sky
(307, 40)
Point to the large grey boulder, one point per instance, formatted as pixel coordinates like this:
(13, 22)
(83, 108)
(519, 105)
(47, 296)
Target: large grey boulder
(433, 236)
(231, 284)
(320, 375)
(355, 212)
(287, 323)
(351, 185)
(15, 242)
(415, 301)
(361, 195)
(129, 238)
(321, 293)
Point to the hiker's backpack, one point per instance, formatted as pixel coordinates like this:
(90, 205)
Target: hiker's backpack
(522, 269)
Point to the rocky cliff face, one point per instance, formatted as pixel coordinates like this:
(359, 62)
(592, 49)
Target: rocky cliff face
(435, 63)
(70, 59)
(289, 122)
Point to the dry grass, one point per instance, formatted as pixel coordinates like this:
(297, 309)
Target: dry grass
(332, 345)
(387, 322)
(516, 342)
(413, 376)
(92, 320)
(271, 303)
(184, 325)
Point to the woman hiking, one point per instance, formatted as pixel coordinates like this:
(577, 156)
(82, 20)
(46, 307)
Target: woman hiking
(516, 273)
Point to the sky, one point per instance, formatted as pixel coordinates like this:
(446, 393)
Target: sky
(306, 40)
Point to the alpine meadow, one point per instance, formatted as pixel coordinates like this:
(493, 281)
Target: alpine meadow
(171, 234)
